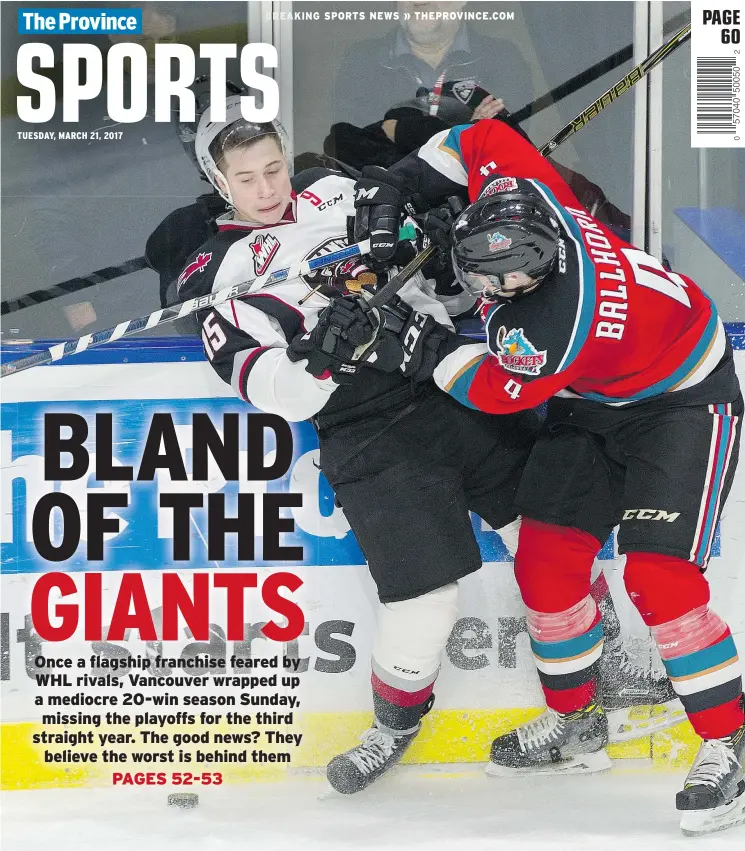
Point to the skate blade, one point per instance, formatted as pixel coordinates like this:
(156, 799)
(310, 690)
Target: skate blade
(590, 763)
(637, 721)
(700, 822)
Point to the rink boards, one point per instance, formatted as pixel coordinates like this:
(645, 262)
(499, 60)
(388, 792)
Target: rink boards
(487, 684)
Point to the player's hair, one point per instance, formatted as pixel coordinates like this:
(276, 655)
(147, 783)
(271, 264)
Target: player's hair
(241, 134)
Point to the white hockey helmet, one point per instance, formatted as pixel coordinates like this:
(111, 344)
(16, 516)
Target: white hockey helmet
(209, 130)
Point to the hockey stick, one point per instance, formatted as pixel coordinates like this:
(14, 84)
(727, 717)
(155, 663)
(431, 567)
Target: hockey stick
(607, 98)
(395, 284)
(388, 290)
(384, 295)
(100, 276)
(179, 311)
(584, 78)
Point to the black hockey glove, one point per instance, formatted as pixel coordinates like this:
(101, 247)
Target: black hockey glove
(344, 337)
(410, 342)
(379, 207)
(438, 223)
(388, 355)
(425, 344)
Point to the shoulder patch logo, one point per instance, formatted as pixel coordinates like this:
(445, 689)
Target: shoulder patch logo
(498, 241)
(517, 354)
(263, 248)
(197, 265)
(499, 184)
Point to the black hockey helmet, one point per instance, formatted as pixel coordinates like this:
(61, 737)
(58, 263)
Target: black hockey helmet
(499, 234)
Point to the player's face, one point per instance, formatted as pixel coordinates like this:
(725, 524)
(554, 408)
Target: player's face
(516, 282)
(490, 287)
(259, 181)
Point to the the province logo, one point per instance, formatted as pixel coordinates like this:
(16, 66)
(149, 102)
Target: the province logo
(196, 265)
(517, 353)
(263, 248)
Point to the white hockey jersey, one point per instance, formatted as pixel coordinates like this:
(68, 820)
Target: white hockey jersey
(246, 338)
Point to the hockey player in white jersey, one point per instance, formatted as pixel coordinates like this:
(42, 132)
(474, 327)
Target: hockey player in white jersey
(399, 454)
(391, 445)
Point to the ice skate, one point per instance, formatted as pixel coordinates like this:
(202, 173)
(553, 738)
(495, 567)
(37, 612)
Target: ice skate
(637, 699)
(571, 743)
(713, 796)
(357, 768)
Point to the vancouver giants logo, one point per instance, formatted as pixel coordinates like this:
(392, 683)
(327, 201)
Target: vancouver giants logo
(346, 276)
(263, 248)
(463, 89)
(517, 353)
(196, 265)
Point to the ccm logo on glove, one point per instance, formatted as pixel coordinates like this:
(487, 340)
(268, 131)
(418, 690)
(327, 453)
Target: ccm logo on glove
(412, 334)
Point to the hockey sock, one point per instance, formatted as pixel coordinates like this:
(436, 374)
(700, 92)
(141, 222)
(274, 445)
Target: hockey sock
(406, 656)
(700, 658)
(695, 644)
(397, 710)
(553, 567)
(566, 645)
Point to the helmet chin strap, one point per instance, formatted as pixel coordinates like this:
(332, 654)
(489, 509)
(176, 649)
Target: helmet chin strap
(490, 294)
(223, 186)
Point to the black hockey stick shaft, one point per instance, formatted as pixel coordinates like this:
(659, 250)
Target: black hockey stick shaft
(186, 308)
(584, 78)
(680, 37)
(74, 285)
(396, 283)
(618, 89)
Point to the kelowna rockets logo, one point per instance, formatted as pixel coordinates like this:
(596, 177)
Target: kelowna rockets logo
(517, 354)
(197, 265)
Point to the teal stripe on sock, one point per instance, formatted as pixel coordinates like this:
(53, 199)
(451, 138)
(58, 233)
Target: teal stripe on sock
(569, 648)
(702, 660)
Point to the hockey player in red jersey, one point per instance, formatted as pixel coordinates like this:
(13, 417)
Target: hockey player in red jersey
(398, 452)
(642, 431)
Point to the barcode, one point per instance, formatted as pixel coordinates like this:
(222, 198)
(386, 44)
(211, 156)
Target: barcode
(715, 93)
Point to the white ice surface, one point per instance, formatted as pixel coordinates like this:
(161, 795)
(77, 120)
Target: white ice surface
(429, 808)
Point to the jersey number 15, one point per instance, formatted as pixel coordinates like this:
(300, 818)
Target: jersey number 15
(213, 337)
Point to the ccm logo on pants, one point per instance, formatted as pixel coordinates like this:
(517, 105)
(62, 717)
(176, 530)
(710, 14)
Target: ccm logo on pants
(650, 514)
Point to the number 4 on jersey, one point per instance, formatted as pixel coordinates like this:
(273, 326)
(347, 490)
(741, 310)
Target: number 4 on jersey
(649, 272)
(512, 388)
